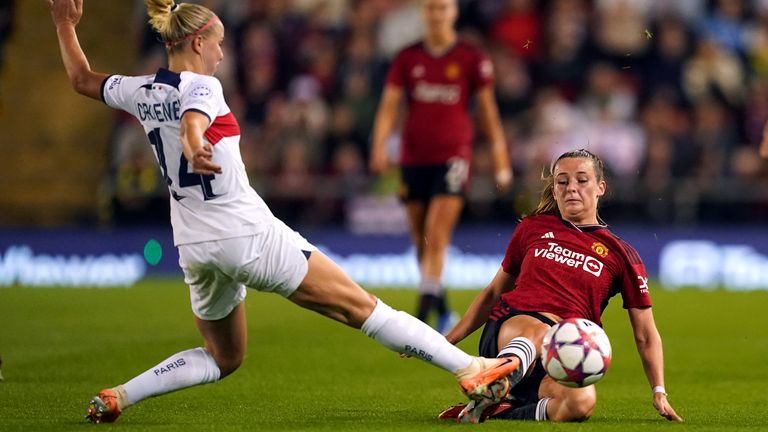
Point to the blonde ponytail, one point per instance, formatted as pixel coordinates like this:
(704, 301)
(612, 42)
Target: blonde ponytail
(176, 23)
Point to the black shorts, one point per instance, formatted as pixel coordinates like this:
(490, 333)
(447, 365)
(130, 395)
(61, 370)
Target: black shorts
(527, 390)
(422, 182)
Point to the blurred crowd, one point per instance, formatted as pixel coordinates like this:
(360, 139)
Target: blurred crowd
(672, 94)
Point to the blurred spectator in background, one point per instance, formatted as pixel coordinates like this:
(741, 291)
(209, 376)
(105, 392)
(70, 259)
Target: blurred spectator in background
(7, 8)
(565, 54)
(726, 26)
(518, 29)
(668, 91)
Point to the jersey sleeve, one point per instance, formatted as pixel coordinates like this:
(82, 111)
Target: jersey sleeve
(483, 71)
(203, 95)
(634, 280)
(513, 257)
(117, 91)
(397, 75)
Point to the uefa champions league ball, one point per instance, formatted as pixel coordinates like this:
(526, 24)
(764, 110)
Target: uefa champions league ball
(576, 352)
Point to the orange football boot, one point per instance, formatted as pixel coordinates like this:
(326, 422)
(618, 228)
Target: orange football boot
(103, 408)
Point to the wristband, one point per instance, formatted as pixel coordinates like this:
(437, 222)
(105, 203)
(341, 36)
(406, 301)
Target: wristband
(659, 389)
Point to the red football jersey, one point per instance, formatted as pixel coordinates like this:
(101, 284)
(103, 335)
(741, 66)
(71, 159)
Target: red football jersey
(438, 92)
(572, 271)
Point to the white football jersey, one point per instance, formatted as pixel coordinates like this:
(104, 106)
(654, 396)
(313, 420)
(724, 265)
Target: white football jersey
(203, 207)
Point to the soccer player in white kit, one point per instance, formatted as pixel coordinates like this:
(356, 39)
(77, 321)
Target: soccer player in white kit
(226, 235)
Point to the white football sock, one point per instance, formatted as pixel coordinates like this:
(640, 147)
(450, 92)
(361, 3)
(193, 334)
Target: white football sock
(430, 286)
(181, 370)
(541, 410)
(403, 333)
(522, 348)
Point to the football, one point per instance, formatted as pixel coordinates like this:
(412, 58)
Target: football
(576, 352)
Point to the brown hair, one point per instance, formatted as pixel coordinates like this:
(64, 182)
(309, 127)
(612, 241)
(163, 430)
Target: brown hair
(177, 23)
(547, 201)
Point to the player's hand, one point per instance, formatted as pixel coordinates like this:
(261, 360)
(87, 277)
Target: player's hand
(664, 408)
(379, 163)
(202, 161)
(504, 178)
(764, 148)
(66, 11)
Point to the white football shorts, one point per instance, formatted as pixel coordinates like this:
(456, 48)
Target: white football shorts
(219, 271)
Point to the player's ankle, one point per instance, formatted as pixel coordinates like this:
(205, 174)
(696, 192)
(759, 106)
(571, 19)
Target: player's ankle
(121, 396)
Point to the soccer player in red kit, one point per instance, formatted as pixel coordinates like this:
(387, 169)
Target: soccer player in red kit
(438, 77)
(561, 262)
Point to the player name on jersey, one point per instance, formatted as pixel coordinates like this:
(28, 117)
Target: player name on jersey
(161, 112)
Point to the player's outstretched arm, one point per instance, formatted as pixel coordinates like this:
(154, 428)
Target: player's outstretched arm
(764, 143)
(386, 116)
(198, 153)
(491, 125)
(66, 14)
(478, 312)
(649, 347)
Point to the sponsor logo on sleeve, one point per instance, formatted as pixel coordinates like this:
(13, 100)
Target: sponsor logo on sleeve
(486, 68)
(115, 81)
(201, 91)
(643, 284)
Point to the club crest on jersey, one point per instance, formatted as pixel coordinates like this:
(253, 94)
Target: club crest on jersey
(600, 249)
(452, 71)
(201, 91)
(417, 71)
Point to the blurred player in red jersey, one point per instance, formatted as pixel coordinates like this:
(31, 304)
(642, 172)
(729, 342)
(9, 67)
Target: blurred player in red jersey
(562, 262)
(438, 77)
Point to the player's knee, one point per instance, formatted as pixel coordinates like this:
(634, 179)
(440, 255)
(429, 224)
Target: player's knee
(580, 406)
(228, 362)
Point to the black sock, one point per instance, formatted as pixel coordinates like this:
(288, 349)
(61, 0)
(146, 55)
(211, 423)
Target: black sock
(535, 411)
(440, 303)
(425, 306)
(527, 412)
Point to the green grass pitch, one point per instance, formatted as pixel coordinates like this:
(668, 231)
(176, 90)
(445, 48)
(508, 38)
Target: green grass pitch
(304, 372)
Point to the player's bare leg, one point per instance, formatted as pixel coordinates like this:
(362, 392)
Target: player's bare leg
(518, 337)
(568, 404)
(556, 403)
(326, 289)
(431, 227)
(417, 215)
(442, 216)
(226, 339)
